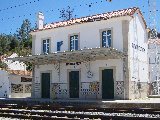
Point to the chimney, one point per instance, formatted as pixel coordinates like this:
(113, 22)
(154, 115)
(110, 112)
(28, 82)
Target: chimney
(40, 20)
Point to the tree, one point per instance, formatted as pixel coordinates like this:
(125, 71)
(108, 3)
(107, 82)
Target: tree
(4, 44)
(25, 42)
(13, 42)
(28, 66)
(3, 66)
(67, 14)
(23, 34)
(19, 43)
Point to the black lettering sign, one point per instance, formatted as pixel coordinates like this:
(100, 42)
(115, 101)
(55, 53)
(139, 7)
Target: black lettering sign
(76, 63)
(134, 46)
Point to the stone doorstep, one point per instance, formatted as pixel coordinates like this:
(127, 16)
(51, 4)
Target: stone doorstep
(154, 96)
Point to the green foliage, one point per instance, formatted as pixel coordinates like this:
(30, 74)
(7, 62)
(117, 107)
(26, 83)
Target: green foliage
(23, 32)
(3, 66)
(13, 43)
(24, 38)
(4, 44)
(20, 42)
(29, 66)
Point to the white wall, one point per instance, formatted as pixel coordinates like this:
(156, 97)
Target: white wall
(90, 38)
(95, 69)
(15, 65)
(142, 64)
(16, 79)
(4, 84)
(89, 35)
(153, 59)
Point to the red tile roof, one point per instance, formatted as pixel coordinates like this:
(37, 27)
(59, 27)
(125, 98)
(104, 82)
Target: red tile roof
(98, 17)
(20, 72)
(152, 41)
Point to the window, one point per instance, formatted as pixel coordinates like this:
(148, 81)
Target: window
(46, 46)
(23, 79)
(152, 60)
(106, 38)
(59, 44)
(74, 42)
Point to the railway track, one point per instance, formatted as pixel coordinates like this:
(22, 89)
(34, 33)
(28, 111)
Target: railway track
(53, 112)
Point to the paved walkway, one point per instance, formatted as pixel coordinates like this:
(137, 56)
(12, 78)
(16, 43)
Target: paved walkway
(147, 100)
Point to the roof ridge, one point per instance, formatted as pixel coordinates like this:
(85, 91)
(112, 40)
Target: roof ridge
(96, 14)
(100, 16)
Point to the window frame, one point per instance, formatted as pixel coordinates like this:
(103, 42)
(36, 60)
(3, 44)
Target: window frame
(48, 38)
(152, 62)
(60, 44)
(69, 40)
(106, 29)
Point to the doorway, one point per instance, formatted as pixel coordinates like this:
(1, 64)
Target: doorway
(107, 84)
(45, 85)
(74, 84)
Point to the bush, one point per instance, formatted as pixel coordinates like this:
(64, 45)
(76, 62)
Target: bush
(3, 66)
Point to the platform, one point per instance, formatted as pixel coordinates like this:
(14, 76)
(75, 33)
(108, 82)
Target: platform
(147, 103)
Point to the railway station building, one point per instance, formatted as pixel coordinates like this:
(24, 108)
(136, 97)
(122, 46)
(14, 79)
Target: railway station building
(103, 56)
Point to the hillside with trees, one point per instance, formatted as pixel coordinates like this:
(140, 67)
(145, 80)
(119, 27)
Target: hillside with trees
(19, 42)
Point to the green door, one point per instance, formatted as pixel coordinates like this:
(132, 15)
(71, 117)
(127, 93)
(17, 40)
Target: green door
(74, 84)
(107, 84)
(45, 85)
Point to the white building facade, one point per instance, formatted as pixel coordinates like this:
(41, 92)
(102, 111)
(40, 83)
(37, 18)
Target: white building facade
(16, 65)
(15, 84)
(154, 66)
(102, 56)
(20, 84)
(4, 84)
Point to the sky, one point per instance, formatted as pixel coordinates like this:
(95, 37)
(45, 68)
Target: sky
(13, 12)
